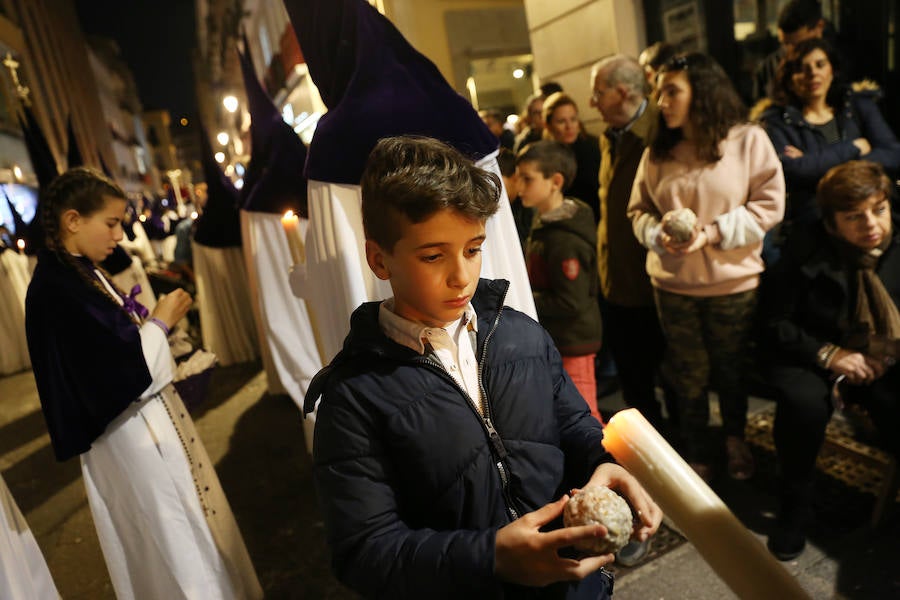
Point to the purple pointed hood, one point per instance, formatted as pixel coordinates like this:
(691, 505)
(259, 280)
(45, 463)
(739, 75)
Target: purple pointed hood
(375, 85)
(21, 228)
(274, 180)
(219, 225)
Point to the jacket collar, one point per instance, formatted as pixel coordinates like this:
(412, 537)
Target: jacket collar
(367, 339)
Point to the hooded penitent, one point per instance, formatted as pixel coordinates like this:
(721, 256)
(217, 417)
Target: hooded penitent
(375, 85)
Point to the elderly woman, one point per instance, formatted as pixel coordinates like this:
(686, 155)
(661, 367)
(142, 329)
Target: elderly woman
(831, 330)
(561, 123)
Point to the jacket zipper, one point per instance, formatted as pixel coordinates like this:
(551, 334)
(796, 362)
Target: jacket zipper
(498, 450)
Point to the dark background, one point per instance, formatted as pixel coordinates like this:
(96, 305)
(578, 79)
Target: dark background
(157, 38)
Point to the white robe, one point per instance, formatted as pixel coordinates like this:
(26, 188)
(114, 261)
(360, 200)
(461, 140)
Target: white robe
(288, 346)
(23, 572)
(154, 497)
(223, 299)
(338, 278)
(14, 277)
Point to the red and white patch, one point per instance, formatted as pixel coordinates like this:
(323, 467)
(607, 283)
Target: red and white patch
(571, 268)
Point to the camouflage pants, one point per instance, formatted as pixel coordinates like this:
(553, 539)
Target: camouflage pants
(707, 343)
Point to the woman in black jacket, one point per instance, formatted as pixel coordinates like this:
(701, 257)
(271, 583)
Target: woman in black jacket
(817, 122)
(831, 332)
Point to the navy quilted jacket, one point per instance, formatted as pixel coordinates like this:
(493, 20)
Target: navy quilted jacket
(858, 116)
(414, 483)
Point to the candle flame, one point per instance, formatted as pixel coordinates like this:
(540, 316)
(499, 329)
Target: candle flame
(289, 214)
(20, 244)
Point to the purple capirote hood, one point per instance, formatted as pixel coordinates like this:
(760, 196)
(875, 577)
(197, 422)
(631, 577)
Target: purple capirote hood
(274, 180)
(219, 225)
(375, 85)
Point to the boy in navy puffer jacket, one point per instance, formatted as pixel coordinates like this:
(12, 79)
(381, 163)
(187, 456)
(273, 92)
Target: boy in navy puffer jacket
(449, 434)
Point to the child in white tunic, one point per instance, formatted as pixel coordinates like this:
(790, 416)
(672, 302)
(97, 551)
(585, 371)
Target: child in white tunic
(104, 372)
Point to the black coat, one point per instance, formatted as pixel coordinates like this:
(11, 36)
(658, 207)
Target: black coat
(411, 478)
(586, 184)
(807, 299)
(86, 354)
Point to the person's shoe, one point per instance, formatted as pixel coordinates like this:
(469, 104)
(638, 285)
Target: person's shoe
(786, 543)
(741, 465)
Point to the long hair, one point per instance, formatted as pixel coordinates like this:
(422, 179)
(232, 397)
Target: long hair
(84, 190)
(783, 92)
(714, 109)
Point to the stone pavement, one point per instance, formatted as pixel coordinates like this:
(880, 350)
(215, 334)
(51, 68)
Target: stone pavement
(257, 444)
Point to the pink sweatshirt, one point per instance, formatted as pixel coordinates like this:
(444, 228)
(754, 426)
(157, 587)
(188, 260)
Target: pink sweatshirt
(736, 200)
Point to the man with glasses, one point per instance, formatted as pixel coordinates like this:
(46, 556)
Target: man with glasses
(620, 94)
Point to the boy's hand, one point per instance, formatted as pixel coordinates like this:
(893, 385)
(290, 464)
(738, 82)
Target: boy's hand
(616, 478)
(527, 556)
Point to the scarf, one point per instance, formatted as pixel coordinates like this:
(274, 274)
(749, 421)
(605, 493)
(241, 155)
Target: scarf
(875, 312)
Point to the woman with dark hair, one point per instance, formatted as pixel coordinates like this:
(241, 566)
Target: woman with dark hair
(817, 121)
(561, 124)
(708, 188)
(831, 332)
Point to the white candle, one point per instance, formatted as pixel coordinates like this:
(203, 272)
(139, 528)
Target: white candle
(734, 554)
(291, 224)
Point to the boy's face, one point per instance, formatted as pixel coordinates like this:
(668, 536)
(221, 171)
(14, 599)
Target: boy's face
(433, 268)
(535, 190)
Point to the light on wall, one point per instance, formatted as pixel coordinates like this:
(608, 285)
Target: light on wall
(518, 73)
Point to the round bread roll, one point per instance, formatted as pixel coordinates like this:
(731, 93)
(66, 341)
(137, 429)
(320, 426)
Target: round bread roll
(680, 224)
(601, 506)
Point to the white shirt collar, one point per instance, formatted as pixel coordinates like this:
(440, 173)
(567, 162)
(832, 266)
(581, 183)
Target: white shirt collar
(411, 333)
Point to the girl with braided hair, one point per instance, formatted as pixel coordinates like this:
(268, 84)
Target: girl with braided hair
(104, 370)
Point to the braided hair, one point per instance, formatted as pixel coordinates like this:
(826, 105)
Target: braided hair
(83, 190)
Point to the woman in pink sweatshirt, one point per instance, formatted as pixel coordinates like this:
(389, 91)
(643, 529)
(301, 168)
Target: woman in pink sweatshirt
(707, 158)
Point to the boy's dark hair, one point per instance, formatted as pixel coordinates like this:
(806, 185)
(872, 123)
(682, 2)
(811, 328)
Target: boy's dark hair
(413, 178)
(550, 157)
(843, 187)
(799, 13)
(715, 108)
(783, 92)
(507, 161)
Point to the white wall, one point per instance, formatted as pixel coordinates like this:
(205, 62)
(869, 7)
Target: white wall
(569, 36)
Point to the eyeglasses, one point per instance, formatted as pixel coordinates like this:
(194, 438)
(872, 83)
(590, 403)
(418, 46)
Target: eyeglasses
(595, 97)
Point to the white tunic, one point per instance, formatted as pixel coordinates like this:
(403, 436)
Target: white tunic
(23, 571)
(14, 278)
(223, 299)
(164, 525)
(288, 346)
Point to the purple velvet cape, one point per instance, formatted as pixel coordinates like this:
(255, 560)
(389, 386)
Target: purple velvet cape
(375, 85)
(86, 354)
